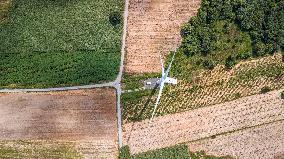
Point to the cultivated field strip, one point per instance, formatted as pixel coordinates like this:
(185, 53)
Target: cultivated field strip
(265, 142)
(204, 122)
(154, 28)
(83, 116)
(101, 149)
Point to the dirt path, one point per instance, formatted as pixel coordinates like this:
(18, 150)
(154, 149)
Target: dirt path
(265, 142)
(84, 116)
(154, 28)
(204, 122)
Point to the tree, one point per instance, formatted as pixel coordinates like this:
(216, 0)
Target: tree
(230, 62)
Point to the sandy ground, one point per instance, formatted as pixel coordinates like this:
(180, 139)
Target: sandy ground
(265, 142)
(200, 123)
(154, 29)
(85, 117)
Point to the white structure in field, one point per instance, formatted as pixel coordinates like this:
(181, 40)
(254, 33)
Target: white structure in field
(164, 79)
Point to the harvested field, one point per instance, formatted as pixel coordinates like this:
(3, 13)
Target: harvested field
(154, 28)
(204, 122)
(265, 142)
(84, 117)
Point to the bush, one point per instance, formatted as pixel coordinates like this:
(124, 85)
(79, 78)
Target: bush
(282, 95)
(209, 64)
(230, 62)
(243, 55)
(115, 18)
(124, 153)
(174, 152)
(265, 89)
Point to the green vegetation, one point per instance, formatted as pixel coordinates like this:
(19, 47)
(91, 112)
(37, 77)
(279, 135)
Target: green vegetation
(174, 152)
(56, 43)
(179, 151)
(124, 153)
(202, 155)
(282, 95)
(130, 102)
(248, 79)
(227, 31)
(223, 33)
(26, 149)
(265, 89)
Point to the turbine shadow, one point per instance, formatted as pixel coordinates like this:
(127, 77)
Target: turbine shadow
(148, 101)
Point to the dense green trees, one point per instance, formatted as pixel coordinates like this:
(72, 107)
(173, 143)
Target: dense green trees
(262, 21)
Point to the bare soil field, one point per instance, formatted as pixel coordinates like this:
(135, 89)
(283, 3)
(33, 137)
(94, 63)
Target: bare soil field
(265, 142)
(204, 122)
(86, 117)
(154, 29)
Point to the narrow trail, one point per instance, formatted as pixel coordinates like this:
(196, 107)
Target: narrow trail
(115, 84)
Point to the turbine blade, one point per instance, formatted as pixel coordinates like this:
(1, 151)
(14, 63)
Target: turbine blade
(168, 70)
(163, 69)
(158, 100)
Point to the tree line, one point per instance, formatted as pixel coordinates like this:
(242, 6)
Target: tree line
(263, 20)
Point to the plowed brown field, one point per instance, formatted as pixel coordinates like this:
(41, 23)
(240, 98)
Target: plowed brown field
(204, 122)
(154, 28)
(86, 117)
(265, 142)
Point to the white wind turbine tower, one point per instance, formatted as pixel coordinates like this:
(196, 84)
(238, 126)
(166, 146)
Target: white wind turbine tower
(161, 83)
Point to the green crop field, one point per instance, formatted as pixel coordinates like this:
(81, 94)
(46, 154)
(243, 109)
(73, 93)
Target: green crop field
(60, 43)
(174, 152)
(37, 149)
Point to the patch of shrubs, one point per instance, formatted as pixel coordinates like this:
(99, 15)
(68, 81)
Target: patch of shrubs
(265, 89)
(115, 18)
(230, 62)
(282, 95)
(261, 20)
(124, 153)
(209, 64)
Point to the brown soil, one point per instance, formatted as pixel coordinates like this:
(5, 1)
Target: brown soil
(265, 142)
(154, 29)
(200, 123)
(87, 116)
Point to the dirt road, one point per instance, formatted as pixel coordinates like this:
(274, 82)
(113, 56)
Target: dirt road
(154, 28)
(84, 116)
(188, 126)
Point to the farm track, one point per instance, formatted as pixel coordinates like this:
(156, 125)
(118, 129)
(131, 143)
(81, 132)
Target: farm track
(205, 122)
(85, 117)
(265, 141)
(154, 29)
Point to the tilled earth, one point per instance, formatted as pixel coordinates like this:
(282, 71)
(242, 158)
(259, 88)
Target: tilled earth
(265, 142)
(205, 122)
(85, 117)
(154, 29)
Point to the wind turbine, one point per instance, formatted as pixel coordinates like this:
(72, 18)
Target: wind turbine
(161, 83)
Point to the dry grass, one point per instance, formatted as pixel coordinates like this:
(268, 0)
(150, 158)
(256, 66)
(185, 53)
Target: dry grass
(4, 8)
